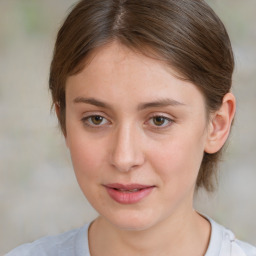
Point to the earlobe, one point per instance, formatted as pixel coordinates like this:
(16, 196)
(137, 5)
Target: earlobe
(220, 124)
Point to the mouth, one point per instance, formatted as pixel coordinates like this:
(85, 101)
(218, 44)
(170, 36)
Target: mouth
(129, 190)
(128, 194)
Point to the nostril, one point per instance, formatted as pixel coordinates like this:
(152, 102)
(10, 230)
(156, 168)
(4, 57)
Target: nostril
(125, 162)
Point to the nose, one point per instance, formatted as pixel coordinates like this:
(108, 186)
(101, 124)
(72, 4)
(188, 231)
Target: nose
(126, 151)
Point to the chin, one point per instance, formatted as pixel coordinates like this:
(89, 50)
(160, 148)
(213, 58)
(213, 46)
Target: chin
(132, 222)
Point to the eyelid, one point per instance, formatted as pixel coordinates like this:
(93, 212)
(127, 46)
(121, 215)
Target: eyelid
(88, 115)
(168, 118)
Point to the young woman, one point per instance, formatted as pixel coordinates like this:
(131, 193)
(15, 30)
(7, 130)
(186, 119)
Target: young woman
(142, 93)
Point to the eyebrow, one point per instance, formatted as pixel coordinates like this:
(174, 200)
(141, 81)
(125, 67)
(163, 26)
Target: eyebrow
(154, 104)
(92, 101)
(160, 103)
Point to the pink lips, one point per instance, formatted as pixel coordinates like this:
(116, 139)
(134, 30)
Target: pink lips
(128, 194)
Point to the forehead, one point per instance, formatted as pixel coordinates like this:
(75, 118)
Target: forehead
(117, 54)
(114, 70)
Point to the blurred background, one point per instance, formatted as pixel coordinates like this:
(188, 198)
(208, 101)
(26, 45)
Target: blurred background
(38, 192)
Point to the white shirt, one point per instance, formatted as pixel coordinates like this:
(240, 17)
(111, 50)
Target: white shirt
(75, 243)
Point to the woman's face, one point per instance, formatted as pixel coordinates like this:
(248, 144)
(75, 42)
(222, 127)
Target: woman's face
(136, 135)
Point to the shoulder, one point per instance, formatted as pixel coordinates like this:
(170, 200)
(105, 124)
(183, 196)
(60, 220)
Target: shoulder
(224, 243)
(248, 249)
(69, 243)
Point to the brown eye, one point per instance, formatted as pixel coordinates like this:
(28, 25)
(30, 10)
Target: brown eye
(159, 120)
(96, 120)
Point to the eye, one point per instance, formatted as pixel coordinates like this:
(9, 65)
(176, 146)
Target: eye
(95, 120)
(160, 121)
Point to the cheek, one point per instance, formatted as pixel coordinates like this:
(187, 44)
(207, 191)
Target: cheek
(179, 160)
(87, 157)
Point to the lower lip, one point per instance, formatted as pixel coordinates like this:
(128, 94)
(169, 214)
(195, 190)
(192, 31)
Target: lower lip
(128, 197)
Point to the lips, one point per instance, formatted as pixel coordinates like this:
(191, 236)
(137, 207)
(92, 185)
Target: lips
(128, 194)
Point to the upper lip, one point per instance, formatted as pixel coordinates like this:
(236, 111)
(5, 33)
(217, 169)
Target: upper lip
(127, 186)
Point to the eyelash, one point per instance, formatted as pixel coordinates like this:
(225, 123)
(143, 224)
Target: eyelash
(88, 121)
(166, 119)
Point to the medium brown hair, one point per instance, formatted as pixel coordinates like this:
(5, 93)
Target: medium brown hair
(186, 34)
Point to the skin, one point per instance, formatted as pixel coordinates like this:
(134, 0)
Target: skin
(128, 144)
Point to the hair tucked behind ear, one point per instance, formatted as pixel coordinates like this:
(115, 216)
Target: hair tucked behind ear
(186, 34)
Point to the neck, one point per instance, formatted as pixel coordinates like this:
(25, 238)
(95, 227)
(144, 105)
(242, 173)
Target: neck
(182, 234)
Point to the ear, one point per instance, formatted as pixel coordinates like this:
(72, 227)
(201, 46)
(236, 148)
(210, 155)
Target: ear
(220, 124)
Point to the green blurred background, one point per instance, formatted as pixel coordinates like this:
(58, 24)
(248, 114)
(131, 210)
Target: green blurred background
(38, 191)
